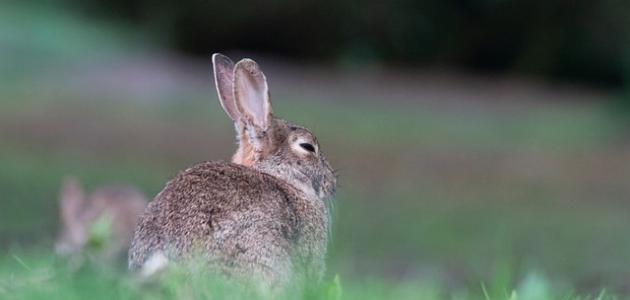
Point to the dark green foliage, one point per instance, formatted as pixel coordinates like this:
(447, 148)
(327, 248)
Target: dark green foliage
(569, 40)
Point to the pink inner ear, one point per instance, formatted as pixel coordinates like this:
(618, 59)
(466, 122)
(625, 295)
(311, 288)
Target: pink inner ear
(251, 92)
(224, 81)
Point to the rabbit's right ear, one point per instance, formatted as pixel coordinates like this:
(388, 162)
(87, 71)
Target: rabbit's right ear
(251, 94)
(71, 201)
(224, 81)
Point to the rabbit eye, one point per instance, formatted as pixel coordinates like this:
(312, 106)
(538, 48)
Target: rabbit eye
(307, 147)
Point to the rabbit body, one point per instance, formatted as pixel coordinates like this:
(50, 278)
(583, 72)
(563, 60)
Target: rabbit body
(119, 206)
(244, 222)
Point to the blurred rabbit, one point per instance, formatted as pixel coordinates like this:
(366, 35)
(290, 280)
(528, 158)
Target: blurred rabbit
(102, 223)
(264, 216)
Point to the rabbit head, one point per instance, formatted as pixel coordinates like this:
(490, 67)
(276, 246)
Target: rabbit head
(266, 143)
(73, 234)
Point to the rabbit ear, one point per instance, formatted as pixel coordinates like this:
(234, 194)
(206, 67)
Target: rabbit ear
(224, 81)
(71, 201)
(251, 94)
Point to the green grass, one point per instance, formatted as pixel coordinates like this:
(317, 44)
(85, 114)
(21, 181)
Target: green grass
(42, 276)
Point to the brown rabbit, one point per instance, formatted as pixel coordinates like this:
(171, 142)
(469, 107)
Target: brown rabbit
(119, 206)
(265, 215)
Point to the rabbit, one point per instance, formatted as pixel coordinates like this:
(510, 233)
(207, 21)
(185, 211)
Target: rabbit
(263, 216)
(119, 206)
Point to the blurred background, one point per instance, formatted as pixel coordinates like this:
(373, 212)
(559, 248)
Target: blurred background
(476, 141)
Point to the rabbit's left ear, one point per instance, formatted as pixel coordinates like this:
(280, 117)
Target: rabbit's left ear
(224, 81)
(251, 94)
(71, 201)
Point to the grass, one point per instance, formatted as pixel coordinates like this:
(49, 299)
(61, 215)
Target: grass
(42, 276)
(433, 203)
